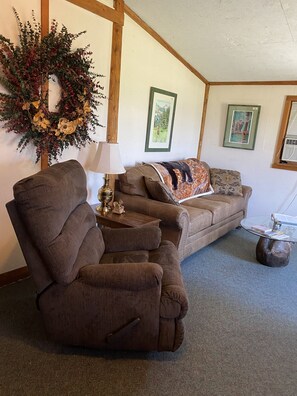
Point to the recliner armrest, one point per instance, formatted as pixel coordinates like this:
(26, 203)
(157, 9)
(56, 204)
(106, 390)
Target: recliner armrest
(174, 299)
(125, 239)
(174, 302)
(127, 276)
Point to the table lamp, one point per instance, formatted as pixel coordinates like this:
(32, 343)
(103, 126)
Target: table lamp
(108, 161)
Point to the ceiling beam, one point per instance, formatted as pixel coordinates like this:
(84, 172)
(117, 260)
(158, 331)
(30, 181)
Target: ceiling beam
(113, 15)
(293, 82)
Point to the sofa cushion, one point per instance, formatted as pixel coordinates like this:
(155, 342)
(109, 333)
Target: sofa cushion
(159, 191)
(220, 206)
(199, 219)
(226, 181)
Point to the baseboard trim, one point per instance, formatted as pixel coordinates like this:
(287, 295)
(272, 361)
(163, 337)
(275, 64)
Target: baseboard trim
(14, 276)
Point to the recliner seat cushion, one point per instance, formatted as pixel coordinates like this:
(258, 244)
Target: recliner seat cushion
(138, 256)
(65, 233)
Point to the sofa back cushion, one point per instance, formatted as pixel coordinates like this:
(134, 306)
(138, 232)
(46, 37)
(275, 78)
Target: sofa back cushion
(192, 183)
(159, 191)
(133, 183)
(61, 224)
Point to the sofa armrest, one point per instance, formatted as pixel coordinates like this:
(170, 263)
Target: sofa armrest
(247, 192)
(175, 219)
(125, 276)
(170, 215)
(124, 239)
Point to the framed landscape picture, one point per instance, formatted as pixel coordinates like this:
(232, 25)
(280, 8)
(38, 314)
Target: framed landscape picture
(241, 126)
(160, 120)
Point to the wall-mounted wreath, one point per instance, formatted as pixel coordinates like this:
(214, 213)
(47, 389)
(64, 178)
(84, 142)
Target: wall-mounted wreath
(24, 72)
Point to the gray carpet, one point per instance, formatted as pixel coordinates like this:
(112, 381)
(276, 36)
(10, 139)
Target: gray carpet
(241, 337)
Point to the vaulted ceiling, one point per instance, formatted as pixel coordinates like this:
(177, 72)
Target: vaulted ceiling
(228, 40)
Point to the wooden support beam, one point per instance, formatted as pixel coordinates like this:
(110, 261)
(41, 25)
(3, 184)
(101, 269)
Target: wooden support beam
(44, 17)
(113, 15)
(202, 127)
(114, 79)
(44, 88)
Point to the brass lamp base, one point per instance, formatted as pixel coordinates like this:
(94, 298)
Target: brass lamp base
(105, 195)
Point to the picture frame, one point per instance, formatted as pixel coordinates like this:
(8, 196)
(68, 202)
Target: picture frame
(160, 120)
(241, 126)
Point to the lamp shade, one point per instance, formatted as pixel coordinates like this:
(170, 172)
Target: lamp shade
(108, 159)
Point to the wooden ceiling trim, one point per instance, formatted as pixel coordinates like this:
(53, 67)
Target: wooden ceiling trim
(293, 82)
(161, 41)
(114, 15)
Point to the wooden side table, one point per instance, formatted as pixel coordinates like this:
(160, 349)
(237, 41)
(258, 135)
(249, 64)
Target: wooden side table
(128, 219)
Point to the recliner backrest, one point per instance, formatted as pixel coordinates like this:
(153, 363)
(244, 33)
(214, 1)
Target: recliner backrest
(62, 226)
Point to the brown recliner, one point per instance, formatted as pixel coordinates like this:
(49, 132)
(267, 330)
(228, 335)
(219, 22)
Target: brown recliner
(107, 289)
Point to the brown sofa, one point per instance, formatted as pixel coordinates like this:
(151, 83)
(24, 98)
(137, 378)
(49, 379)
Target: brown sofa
(108, 289)
(191, 225)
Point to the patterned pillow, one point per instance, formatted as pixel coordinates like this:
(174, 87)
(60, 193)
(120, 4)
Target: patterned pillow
(159, 191)
(226, 182)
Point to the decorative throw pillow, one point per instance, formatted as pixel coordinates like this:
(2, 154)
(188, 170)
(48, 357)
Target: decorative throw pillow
(159, 191)
(226, 182)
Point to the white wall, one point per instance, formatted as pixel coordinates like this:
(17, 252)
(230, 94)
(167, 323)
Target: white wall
(13, 164)
(145, 63)
(273, 189)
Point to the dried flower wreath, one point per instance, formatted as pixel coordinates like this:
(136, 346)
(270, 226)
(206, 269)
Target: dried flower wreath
(24, 73)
